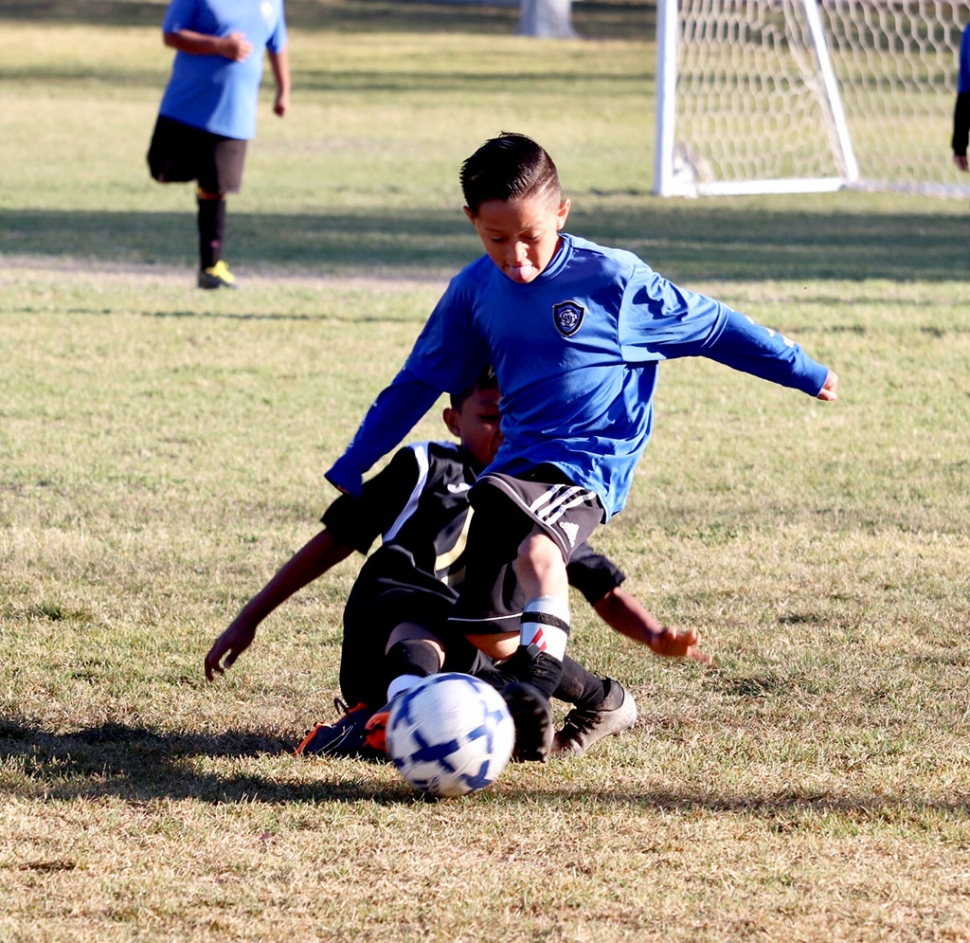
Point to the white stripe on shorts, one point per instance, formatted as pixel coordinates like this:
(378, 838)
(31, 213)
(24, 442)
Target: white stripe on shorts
(559, 500)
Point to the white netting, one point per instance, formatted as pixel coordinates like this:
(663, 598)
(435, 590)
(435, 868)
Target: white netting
(751, 103)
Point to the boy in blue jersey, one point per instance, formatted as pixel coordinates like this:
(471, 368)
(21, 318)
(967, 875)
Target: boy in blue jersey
(961, 111)
(396, 619)
(208, 111)
(575, 332)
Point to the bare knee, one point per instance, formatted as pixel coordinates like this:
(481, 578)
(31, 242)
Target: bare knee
(542, 569)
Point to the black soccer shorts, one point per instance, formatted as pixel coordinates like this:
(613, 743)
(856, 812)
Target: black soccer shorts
(179, 153)
(507, 510)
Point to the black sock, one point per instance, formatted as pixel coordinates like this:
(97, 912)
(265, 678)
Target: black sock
(413, 656)
(494, 676)
(578, 686)
(539, 669)
(212, 231)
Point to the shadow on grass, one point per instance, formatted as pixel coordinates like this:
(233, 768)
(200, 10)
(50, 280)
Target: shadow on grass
(135, 763)
(683, 241)
(138, 764)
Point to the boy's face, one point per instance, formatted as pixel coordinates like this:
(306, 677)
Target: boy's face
(477, 424)
(520, 236)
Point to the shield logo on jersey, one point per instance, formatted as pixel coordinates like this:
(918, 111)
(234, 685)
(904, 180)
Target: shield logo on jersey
(568, 316)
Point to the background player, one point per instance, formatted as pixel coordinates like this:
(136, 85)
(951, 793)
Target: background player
(961, 111)
(575, 332)
(208, 111)
(400, 601)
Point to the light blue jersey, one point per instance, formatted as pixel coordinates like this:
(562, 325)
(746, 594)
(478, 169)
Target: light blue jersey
(212, 92)
(576, 353)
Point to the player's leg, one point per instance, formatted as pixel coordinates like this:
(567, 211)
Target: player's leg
(413, 652)
(211, 224)
(602, 707)
(489, 610)
(563, 516)
(171, 153)
(545, 624)
(221, 162)
(361, 691)
(387, 648)
(362, 686)
(545, 517)
(179, 153)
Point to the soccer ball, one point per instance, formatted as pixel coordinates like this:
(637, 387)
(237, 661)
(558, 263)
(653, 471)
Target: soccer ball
(450, 734)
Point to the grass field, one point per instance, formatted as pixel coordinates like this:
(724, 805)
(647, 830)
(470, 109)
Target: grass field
(161, 454)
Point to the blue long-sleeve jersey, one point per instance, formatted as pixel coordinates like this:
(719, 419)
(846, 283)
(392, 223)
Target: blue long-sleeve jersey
(575, 353)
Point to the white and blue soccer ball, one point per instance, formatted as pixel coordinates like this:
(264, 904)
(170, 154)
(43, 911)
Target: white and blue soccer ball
(450, 734)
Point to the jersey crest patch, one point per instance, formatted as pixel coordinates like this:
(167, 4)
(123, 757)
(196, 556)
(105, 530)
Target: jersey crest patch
(568, 317)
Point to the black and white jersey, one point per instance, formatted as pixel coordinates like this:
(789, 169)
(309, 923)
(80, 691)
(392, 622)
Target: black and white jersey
(418, 505)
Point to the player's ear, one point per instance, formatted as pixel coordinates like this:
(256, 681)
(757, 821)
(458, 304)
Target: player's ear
(562, 214)
(452, 421)
(469, 214)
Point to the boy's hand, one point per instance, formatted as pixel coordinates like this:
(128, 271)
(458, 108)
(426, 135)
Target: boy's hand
(828, 391)
(235, 46)
(672, 643)
(231, 644)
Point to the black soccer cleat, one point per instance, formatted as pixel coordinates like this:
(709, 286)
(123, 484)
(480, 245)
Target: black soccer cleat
(585, 725)
(532, 717)
(346, 737)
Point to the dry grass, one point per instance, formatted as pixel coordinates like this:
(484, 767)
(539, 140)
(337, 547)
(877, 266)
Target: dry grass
(161, 453)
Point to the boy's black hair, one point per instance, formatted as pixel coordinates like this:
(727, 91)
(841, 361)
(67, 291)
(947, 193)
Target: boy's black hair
(485, 380)
(509, 167)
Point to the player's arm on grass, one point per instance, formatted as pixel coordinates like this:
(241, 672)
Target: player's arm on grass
(310, 562)
(349, 524)
(280, 63)
(625, 614)
(598, 578)
(235, 46)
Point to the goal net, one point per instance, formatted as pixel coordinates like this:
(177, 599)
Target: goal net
(772, 96)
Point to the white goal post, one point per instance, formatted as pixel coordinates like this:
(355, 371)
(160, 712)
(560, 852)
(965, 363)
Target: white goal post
(789, 96)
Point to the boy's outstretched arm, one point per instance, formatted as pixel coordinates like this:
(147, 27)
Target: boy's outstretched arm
(626, 614)
(829, 391)
(311, 561)
(390, 418)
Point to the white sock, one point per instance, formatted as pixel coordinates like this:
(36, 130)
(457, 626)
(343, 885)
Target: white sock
(545, 625)
(400, 684)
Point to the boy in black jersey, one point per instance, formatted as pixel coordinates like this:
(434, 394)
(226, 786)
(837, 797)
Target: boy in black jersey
(400, 602)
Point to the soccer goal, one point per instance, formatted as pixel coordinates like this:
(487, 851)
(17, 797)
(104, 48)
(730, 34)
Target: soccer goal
(787, 96)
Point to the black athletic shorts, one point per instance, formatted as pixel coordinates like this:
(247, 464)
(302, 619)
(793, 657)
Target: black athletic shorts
(368, 623)
(179, 153)
(507, 510)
